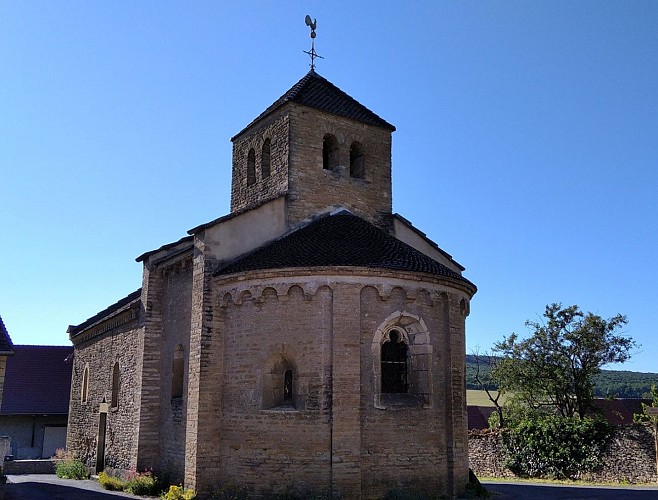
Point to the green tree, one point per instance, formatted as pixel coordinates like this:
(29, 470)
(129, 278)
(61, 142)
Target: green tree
(553, 369)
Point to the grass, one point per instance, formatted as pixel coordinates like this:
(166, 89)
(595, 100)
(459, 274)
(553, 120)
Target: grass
(480, 398)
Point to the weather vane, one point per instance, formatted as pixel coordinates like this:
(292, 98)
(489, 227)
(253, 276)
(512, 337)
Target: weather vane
(312, 24)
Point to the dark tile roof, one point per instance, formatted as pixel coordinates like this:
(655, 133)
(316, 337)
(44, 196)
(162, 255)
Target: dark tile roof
(408, 223)
(341, 239)
(317, 92)
(73, 330)
(6, 347)
(189, 240)
(38, 381)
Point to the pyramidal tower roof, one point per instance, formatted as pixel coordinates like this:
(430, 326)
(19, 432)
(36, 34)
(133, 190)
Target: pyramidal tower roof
(319, 93)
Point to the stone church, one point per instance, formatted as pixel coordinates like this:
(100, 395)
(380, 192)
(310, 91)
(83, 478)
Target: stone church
(311, 338)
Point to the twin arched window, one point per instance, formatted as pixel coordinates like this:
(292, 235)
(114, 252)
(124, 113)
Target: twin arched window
(330, 157)
(265, 165)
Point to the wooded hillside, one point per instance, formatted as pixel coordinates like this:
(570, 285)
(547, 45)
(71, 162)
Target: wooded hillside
(609, 383)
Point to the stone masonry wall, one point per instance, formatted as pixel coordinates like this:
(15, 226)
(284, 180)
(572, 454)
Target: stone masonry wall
(275, 128)
(322, 326)
(407, 443)
(123, 345)
(312, 188)
(629, 457)
(263, 447)
(176, 316)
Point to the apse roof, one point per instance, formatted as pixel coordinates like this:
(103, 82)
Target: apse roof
(340, 239)
(319, 93)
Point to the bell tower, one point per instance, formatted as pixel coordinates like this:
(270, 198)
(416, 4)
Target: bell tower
(318, 147)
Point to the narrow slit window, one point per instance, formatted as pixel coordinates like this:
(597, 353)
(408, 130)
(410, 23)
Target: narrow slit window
(251, 168)
(177, 372)
(265, 159)
(394, 365)
(115, 386)
(329, 152)
(357, 161)
(85, 385)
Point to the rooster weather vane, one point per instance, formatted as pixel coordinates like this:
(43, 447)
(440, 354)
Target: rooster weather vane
(312, 24)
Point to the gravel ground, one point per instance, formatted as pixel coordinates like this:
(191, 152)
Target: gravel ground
(50, 487)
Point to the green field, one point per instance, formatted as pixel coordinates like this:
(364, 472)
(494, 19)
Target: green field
(479, 398)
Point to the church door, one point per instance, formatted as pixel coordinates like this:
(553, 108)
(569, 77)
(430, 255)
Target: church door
(100, 452)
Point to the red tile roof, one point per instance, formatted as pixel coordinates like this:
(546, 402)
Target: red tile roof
(38, 381)
(478, 416)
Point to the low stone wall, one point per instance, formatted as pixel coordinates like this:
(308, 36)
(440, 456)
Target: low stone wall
(629, 457)
(45, 466)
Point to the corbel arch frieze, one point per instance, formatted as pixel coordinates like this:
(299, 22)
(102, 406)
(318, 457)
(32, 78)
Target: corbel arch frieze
(422, 295)
(268, 291)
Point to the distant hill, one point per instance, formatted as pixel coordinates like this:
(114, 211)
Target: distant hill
(615, 383)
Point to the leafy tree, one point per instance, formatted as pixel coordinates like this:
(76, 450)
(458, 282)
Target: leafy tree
(646, 415)
(554, 368)
(484, 365)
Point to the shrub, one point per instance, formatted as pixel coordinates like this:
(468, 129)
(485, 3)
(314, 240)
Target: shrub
(555, 447)
(178, 493)
(141, 483)
(71, 468)
(111, 483)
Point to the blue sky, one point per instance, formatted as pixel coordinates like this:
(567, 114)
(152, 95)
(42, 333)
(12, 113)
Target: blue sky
(526, 142)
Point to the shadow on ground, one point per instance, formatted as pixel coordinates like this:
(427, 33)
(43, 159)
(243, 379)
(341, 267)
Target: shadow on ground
(523, 491)
(41, 490)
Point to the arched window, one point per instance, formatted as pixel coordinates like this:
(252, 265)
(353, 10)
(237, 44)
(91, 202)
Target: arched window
(265, 159)
(357, 161)
(177, 372)
(115, 386)
(251, 167)
(329, 152)
(279, 384)
(85, 385)
(394, 364)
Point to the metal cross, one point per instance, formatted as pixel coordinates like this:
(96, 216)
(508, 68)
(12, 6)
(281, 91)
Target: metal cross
(312, 24)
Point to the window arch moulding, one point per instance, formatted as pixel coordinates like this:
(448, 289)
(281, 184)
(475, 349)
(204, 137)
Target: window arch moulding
(410, 330)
